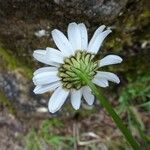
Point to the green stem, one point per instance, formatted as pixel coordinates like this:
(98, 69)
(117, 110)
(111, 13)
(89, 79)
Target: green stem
(111, 112)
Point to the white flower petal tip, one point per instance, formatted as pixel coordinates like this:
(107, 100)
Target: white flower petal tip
(57, 99)
(62, 42)
(40, 89)
(97, 39)
(99, 30)
(108, 76)
(41, 56)
(45, 78)
(109, 60)
(88, 96)
(100, 82)
(74, 36)
(76, 98)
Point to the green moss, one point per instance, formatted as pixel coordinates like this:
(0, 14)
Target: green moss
(48, 133)
(130, 27)
(12, 63)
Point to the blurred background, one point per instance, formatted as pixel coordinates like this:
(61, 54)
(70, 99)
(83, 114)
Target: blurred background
(26, 25)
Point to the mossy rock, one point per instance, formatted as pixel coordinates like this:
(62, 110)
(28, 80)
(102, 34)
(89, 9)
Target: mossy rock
(129, 21)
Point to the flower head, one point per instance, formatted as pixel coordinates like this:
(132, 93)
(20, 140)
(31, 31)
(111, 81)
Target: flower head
(74, 56)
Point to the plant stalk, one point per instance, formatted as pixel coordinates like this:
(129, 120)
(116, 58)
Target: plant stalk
(105, 103)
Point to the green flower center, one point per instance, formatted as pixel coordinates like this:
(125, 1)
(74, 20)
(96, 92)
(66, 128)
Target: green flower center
(82, 62)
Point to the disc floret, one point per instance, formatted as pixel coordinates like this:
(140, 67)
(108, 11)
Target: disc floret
(82, 62)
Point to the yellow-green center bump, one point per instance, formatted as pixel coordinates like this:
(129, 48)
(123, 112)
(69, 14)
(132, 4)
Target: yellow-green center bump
(82, 62)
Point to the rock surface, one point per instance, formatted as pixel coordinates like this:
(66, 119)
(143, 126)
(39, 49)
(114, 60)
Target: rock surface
(21, 21)
(26, 25)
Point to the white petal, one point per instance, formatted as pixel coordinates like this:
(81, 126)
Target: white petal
(62, 43)
(74, 36)
(88, 96)
(96, 42)
(96, 33)
(55, 55)
(100, 82)
(109, 60)
(45, 77)
(45, 69)
(40, 89)
(57, 99)
(84, 36)
(76, 98)
(41, 56)
(108, 76)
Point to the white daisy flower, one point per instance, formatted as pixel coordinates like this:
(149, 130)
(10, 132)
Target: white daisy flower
(74, 54)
